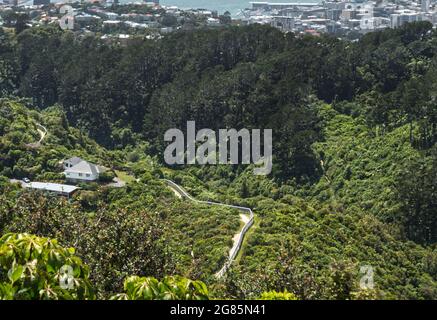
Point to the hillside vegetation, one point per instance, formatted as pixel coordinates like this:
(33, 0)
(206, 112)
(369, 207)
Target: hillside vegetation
(316, 237)
(141, 229)
(354, 180)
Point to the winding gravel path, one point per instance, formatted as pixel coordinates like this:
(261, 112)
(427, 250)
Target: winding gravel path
(238, 238)
(42, 132)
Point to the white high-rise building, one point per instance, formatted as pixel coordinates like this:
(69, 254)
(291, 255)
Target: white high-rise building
(424, 6)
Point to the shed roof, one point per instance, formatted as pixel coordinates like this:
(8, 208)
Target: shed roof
(53, 187)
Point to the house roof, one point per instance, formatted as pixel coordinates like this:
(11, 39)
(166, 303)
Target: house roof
(53, 187)
(84, 167)
(74, 160)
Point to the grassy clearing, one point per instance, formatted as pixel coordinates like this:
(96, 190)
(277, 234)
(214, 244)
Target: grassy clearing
(124, 176)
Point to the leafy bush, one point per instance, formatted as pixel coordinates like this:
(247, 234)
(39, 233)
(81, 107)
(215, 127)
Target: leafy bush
(170, 288)
(274, 295)
(106, 176)
(39, 268)
(88, 199)
(89, 186)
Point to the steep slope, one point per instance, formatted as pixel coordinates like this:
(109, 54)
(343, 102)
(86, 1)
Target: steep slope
(314, 239)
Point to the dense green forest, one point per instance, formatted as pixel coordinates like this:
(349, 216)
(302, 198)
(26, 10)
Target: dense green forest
(354, 178)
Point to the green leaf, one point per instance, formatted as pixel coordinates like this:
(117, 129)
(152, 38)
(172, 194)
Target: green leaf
(15, 273)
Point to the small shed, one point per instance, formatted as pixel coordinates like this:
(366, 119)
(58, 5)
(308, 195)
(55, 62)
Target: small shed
(59, 189)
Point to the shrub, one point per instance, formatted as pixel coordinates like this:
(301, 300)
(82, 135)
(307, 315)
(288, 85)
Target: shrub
(133, 157)
(34, 268)
(170, 288)
(274, 295)
(107, 176)
(89, 186)
(89, 199)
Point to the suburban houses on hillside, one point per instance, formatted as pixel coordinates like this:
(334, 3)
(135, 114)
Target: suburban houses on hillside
(121, 23)
(111, 21)
(346, 17)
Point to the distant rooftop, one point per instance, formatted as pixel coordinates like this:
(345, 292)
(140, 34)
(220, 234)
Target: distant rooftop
(290, 3)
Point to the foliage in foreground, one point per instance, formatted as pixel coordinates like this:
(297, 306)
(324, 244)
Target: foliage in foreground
(170, 288)
(273, 295)
(33, 268)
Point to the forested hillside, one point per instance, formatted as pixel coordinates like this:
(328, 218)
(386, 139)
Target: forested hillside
(354, 178)
(142, 229)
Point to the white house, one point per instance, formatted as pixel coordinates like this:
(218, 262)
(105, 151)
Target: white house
(78, 170)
